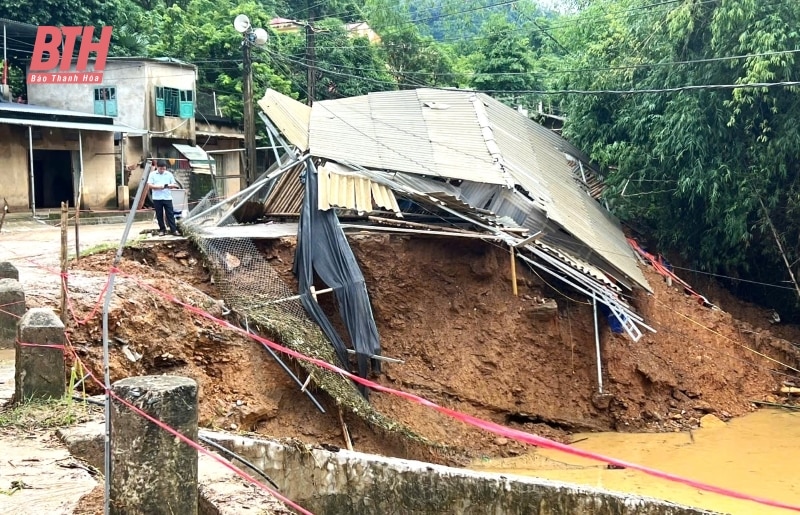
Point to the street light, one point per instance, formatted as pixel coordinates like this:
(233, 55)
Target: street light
(250, 37)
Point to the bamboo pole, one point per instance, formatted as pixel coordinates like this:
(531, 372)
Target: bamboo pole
(345, 433)
(780, 246)
(513, 271)
(64, 228)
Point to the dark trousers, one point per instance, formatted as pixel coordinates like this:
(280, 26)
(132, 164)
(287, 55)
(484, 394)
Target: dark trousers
(165, 206)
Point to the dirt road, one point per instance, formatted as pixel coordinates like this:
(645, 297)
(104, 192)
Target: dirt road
(34, 247)
(36, 474)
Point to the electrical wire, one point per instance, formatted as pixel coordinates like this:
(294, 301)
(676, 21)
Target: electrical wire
(677, 89)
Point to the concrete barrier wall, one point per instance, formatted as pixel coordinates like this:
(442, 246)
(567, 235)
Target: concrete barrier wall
(356, 483)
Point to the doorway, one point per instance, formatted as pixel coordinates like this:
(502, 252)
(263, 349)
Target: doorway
(52, 178)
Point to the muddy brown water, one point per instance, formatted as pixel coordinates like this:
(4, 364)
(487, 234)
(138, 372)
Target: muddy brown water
(756, 454)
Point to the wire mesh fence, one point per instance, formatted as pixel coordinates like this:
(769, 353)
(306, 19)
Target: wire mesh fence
(255, 291)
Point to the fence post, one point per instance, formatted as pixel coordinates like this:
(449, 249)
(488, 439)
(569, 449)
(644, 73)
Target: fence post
(12, 307)
(64, 286)
(8, 271)
(151, 470)
(40, 372)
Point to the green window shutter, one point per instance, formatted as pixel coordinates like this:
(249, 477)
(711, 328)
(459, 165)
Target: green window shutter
(99, 102)
(187, 109)
(111, 107)
(172, 102)
(111, 101)
(161, 108)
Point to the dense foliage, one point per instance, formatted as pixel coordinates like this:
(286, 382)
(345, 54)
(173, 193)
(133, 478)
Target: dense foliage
(705, 170)
(694, 163)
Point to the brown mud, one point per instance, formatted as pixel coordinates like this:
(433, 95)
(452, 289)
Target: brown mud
(447, 309)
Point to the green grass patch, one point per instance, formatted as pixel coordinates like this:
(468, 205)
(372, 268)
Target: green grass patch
(46, 414)
(105, 247)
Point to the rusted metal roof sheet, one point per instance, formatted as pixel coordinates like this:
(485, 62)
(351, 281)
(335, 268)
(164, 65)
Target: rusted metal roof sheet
(291, 117)
(287, 195)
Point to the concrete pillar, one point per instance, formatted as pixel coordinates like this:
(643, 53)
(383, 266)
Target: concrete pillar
(152, 471)
(123, 198)
(12, 307)
(8, 271)
(40, 372)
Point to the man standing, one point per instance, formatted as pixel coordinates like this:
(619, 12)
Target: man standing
(160, 183)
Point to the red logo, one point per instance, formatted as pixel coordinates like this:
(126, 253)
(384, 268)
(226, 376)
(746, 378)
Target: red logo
(59, 45)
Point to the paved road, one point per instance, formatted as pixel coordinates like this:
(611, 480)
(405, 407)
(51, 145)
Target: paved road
(31, 245)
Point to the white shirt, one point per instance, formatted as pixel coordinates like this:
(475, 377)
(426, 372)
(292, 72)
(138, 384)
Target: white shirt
(161, 179)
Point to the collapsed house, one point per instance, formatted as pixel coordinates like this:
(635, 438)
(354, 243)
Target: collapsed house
(446, 162)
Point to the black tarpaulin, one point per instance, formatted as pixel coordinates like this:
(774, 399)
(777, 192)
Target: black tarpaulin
(323, 248)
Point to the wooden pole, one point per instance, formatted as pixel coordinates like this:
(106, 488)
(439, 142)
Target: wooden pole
(79, 200)
(64, 227)
(514, 271)
(345, 433)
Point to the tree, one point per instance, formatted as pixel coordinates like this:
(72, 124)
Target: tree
(506, 63)
(416, 60)
(203, 33)
(694, 165)
(345, 65)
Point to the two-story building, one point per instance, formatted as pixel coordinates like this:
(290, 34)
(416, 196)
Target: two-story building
(50, 156)
(157, 96)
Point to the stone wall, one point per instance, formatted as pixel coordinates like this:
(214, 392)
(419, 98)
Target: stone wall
(356, 483)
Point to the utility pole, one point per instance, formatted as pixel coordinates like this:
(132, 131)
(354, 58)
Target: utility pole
(250, 37)
(249, 116)
(311, 78)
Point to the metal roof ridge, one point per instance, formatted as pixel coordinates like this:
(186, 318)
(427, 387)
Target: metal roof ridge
(487, 132)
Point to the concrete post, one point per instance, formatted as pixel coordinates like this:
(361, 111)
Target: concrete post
(151, 470)
(8, 271)
(40, 372)
(12, 307)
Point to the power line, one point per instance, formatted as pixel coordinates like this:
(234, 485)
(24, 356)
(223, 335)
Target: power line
(584, 70)
(677, 89)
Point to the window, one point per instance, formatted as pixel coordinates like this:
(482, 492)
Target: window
(187, 103)
(174, 102)
(105, 101)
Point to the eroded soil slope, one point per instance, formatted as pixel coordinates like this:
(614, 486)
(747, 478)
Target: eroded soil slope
(446, 308)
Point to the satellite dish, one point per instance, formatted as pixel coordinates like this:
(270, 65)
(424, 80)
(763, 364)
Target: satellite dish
(261, 37)
(241, 23)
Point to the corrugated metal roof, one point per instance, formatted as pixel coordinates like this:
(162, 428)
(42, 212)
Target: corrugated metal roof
(198, 159)
(291, 117)
(412, 131)
(340, 186)
(542, 168)
(578, 264)
(287, 195)
(72, 125)
(462, 135)
(458, 145)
